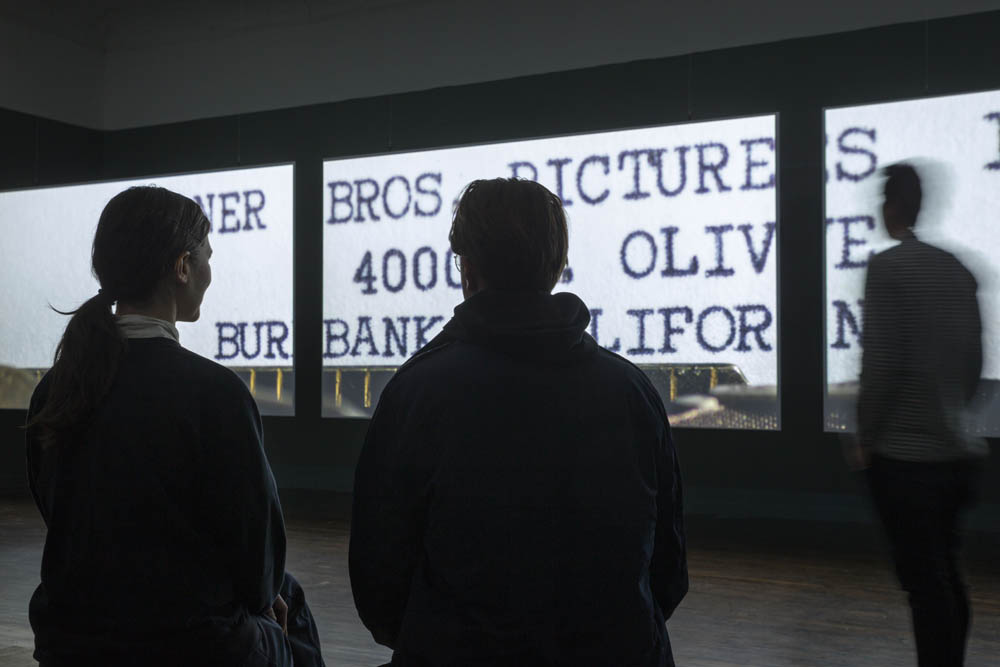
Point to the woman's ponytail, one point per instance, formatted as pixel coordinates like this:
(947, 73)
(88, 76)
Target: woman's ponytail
(86, 362)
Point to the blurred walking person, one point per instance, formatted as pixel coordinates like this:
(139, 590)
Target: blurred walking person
(921, 363)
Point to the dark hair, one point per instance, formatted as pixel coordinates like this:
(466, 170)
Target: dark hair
(514, 231)
(141, 233)
(902, 188)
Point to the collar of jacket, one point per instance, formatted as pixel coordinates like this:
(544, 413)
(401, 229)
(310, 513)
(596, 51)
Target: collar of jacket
(525, 323)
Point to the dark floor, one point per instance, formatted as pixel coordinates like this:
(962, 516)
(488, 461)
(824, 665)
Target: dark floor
(763, 593)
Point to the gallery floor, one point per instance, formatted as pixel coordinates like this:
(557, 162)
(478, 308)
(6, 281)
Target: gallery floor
(763, 593)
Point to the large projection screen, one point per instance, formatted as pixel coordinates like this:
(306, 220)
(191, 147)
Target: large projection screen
(673, 247)
(954, 142)
(246, 317)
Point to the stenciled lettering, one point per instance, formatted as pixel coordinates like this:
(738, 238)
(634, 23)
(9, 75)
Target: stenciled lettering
(335, 332)
(846, 260)
(392, 334)
(252, 209)
(846, 320)
(650, 243)
(720, 269)
(671, 270)
(341, 195)
(995, 164)
(228, 213)
(340, 340)
(668, 326)
(640, 316)
(637, 192)
(700, 328)
(756, 328)
(847, 148)
(758, 260)
(366, 193)
(592, 160)
(657, 159)
(428, 190)
(706, 166)
(558, 164)
(749, 183)
(388, 189)
(269, 336)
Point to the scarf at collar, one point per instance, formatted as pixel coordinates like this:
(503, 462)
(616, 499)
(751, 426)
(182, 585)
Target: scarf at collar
(143, 326)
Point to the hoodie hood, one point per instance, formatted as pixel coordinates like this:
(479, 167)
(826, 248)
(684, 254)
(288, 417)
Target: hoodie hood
(525, 324)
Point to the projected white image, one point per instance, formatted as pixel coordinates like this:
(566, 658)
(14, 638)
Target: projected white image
(246, 317)
(672, 247)
(954, 143)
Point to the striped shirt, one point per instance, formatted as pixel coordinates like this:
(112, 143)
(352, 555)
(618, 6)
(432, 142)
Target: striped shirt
(922, 356)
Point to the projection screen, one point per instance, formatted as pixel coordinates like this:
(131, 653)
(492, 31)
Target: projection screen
(954, 143)
(246, 317)
(673, 241)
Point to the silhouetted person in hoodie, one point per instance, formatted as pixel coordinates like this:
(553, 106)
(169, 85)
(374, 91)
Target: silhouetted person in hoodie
(518, 497)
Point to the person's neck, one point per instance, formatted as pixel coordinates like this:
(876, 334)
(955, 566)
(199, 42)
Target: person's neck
(901, 232)
(161, 311)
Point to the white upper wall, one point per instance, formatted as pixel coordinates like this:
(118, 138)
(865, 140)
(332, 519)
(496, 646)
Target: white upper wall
(179, 60)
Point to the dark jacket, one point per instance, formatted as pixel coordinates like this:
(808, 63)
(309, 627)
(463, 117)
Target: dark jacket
(923, 354)
(164, 528)
(518, 498)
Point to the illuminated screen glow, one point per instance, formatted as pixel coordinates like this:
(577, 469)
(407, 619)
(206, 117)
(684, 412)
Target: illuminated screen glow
(954, 142)
(673, 247)
(246, 317)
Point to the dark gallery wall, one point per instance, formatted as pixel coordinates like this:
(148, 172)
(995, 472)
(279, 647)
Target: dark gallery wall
(795, 473)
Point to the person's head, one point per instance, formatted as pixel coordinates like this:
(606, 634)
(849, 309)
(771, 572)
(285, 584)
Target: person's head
(902, 195)
(511, 234)
(150, 255)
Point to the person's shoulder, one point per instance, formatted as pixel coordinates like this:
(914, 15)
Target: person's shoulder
(427, 373)
(901, 252)
(440, 351)
(879, 262)
(616, 363)
(210, 376)
(616, 369)
(945, 258)
(950, 258)
(900, 257)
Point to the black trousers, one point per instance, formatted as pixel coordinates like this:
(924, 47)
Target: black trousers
(919, 504)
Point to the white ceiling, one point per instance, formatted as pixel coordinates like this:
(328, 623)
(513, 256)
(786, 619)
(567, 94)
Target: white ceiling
(111, 64)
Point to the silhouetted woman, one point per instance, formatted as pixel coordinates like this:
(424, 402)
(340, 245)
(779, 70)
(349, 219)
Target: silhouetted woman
(166, 543)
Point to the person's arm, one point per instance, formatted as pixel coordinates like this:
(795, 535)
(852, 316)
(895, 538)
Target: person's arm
(974, 351)
(668, 568)
(242, 498)
(33, 446)
(880, 360)
(387, 523)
